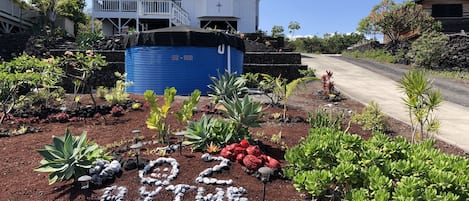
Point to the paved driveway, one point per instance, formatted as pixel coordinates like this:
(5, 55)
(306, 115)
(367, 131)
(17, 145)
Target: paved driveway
(365, 85)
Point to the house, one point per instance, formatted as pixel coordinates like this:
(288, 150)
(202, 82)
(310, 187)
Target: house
(15, 16)
(453, 14)
(120, 16)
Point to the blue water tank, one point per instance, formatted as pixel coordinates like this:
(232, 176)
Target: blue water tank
(180, 57)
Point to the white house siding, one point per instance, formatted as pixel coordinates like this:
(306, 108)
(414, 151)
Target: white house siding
(244, 10)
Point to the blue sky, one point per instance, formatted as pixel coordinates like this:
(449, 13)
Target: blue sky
(316, 17)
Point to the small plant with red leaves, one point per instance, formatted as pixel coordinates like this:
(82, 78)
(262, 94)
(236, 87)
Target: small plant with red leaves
(117, 111)
(59, 117)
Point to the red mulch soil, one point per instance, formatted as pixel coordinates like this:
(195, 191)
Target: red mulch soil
(19, 156)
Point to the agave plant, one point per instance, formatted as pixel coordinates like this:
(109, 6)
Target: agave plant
(69, 156)
(206, 131)
(227, 86)
(243, 112)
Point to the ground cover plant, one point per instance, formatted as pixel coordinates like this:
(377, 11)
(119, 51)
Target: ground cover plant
(333, 165)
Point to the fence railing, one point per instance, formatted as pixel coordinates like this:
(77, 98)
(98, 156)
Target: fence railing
(163, 8)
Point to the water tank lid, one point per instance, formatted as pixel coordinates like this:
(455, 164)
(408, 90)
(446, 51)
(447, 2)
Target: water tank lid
(183, 36)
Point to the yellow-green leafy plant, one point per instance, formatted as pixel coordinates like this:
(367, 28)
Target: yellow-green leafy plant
(101, 92)
(157, 117)
(371, 118)
(69, 156)
(117, 94)
(276, 138)
(421, 102)
(187, 109)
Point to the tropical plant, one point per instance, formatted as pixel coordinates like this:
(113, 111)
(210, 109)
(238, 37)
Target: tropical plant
(393, 19)
(279, 89)
(84, 65)
(293, 26)
(69, 156)
(101, 92)
(157, 117)
(187, 110)
(277, 31)
(252, 79)
(427, 50)
(371, 118)
(227, 86)
(421, 101)
(268, 85)
(243, 112)
(287, 90)
(117, 94)
(27, 71)
(200, 134)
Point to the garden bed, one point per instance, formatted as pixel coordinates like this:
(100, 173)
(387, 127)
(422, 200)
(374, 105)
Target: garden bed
(19, 156)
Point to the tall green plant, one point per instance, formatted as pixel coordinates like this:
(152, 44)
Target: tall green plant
(69, 156)
(227, 86)
(187, 109)
(243, 112)
(157, 117)
(84, 66)
(421, 101)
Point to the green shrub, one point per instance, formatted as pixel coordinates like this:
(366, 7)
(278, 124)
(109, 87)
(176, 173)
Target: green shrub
(333, 162)
(427, 50)
(86, 40)
(69, 156)
(200, 134)
(371, 118)
(323, 119)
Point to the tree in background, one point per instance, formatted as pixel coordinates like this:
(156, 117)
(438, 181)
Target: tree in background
(293, 26)
(49, 9)
(329, 44)
(277, 31)
(393, 19)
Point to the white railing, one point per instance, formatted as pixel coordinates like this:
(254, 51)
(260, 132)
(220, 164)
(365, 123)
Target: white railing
(179, 15)
(115, 5)
(159, 8)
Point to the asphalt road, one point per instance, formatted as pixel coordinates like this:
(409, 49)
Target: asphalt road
(452, 90)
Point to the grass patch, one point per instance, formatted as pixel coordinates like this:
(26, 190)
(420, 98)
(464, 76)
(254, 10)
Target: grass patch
(376, 55)
(459, 75)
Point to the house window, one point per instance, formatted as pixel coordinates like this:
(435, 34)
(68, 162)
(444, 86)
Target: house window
(447, 10)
